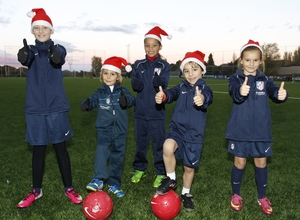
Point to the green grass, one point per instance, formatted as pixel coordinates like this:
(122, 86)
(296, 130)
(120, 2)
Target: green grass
(211, 187)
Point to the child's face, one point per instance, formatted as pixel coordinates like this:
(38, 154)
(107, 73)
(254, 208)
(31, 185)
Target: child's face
(250, 61)
(41, 33)
(109, 77)
(192, 72)
(152, 47)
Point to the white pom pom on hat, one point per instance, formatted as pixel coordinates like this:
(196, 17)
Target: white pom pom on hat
(253, 44)
(115, 64)
(39, 17)
(196, 56)
(156, 33)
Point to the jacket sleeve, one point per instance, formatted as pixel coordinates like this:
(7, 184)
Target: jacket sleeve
(172, 94)
(93, 101)
(130, 98)
(62, 51)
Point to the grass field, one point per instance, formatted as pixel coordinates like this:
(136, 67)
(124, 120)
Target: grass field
(211, 187)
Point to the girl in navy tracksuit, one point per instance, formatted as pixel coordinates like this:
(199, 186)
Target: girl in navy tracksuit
(186, 136)
(111, 101)
(46, 105)
(249, 125)
(149, 118)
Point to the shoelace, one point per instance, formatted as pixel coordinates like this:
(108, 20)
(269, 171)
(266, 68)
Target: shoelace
(73, 192)
(236, 199)
(31, 194)
(265, 202)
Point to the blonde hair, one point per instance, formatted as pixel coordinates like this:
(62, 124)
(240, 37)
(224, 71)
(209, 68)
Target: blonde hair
(119, 76)
(251, 48)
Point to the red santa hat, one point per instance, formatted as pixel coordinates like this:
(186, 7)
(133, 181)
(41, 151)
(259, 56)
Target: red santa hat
(39, 17)
(253, 44)
(115, 64)
(156, 32)
(196, 56)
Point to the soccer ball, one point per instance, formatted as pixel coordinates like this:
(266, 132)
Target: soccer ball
(97, 205)
(167, 206)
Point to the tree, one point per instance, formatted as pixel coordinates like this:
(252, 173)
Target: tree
(271, 55)
(296, 57)
(96, 65)
(287, 57)
(210, 61)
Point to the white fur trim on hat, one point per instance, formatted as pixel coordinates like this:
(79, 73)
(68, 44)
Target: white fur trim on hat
(193, 60)
(153, 36)
(43, 23)
(111, 67)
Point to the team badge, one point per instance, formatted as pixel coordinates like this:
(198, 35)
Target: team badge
(107, 100)
(157, 70)
(260, 85)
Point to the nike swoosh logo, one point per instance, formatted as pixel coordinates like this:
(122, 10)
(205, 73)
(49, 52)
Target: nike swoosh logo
(67, 133)
(142, 71)
(183, 92)
(87, 212)
(267, 150)
(236, 183)
(195, 162)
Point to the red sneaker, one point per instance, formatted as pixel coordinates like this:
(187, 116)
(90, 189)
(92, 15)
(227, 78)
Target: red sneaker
(73, 196)
(265, 205)
(236, 202)
(29, 199)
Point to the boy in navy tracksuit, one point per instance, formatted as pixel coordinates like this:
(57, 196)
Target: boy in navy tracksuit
(46, 105)
(249, 125)
(149, 118)
(186, 136)
(111, 101)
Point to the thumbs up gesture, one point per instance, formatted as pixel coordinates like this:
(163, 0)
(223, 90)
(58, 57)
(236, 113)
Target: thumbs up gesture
(23, 52)
(159, 96)
(54, 55)
(281, 92)
(198, 98)
(245, 89)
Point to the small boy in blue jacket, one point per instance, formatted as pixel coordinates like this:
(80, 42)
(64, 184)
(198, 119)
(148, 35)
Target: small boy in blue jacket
(186, 136)
(111, 101)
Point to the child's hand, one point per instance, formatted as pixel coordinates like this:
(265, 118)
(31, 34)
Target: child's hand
(137, 84)
(157, 81)
(123, 100)
(159, 96)
(85, 105)
(198, 98)
(54, 55)
(245, 89)
(23, 52)
(281, 92)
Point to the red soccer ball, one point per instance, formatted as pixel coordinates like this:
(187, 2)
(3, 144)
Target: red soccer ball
(97, 205)
(167, 206)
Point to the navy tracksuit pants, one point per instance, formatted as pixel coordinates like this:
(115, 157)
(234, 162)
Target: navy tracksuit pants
(112, 151)
(144, 129)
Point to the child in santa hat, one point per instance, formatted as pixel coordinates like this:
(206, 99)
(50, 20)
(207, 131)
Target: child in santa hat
(46, 105)
(186, 136)
(249, 125)
(111, 100)
(149, 118)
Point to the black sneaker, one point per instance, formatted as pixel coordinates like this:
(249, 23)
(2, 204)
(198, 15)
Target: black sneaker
(187, 202)
(166, 184)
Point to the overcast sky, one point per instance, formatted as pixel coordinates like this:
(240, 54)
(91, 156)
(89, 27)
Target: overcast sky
(117, 27)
